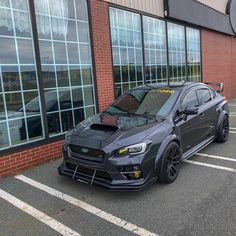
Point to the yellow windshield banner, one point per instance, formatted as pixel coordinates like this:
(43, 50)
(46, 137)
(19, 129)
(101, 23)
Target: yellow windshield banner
(165, 91)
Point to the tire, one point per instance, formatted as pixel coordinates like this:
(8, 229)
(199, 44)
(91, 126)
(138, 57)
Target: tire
(222, 134)
(170, 164)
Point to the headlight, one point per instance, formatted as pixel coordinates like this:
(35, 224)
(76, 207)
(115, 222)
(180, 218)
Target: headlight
(133, 149)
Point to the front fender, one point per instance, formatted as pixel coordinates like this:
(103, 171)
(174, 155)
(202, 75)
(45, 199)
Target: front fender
(164, 144)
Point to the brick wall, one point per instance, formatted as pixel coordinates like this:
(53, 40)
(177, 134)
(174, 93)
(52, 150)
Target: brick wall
(219, 60)
(16, 162)
(102, 52)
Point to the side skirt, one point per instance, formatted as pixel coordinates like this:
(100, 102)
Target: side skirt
(197, 148)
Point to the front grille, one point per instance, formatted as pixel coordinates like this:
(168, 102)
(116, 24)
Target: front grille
(86, 153)
(89, 172)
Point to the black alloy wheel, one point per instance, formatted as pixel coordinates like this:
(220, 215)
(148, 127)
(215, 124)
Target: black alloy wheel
(170, 164)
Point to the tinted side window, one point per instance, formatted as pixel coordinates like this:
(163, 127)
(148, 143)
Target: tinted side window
(213, 94)
(204, 96)
(190, 100)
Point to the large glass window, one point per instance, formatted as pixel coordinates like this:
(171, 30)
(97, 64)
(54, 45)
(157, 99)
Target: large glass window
(65, 52)
(155, 50)
(19, 122)
(127, 50)
(193, 54)
(177, 53)
(182, 64)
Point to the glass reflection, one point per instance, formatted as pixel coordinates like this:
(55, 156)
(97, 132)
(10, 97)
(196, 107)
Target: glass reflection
(11, 78)
(20, 109)
(6, 24)
(126, 50)
(177, 59)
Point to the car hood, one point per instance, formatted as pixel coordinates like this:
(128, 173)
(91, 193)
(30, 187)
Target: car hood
(104, 131)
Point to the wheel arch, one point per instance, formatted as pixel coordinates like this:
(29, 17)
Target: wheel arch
(222, 114)
(169, 139)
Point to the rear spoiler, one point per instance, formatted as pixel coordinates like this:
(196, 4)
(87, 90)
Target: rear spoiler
(219, 85)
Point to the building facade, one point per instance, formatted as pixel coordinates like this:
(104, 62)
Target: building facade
(61, 61)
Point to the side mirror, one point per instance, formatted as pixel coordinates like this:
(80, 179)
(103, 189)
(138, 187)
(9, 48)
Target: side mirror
(191, 111)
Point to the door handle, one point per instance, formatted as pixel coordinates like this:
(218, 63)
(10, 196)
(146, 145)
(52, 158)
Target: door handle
(201, 116)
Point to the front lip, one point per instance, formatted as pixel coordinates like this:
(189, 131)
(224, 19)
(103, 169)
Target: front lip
(107, 172)
(121, 185)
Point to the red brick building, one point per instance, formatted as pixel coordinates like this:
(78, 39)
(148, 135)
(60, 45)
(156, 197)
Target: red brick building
(63, 61)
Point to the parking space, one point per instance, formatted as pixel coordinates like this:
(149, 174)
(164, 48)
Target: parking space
(200, 202)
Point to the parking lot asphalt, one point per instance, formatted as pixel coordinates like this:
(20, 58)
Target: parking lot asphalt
(202, 201)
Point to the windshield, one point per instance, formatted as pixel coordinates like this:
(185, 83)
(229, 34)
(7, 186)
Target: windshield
(145, 102)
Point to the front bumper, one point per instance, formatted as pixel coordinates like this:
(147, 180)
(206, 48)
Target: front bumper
(106, 174)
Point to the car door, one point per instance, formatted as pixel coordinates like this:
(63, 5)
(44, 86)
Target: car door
(207, 113)
(189, 127)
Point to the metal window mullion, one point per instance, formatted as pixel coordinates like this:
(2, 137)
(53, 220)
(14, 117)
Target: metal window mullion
(200, 51)
(135, 59)
(67, 58)
(119, 47)
(19, 71)
(55, 68)
(92, 62)
(142, 48)
(167, 53)
(177, 52)
(127, 50)
(159, 51)
(186, 53)
(80, 66)
(38, 68)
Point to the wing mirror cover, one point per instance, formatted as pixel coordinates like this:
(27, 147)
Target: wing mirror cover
(191, 111)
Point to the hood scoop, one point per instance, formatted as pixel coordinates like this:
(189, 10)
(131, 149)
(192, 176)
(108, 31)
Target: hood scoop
(104, 127)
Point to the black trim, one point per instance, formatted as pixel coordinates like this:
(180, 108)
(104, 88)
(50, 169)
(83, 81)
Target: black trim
(143, 49)
(39, 68)
(200, 14)
(113, 71)
(230, 10)
(92, 55)
(186, 54)
(167, 54)
(201, 55)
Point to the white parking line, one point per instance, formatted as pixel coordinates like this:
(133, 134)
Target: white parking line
(210, 165)
(89, 208)
(232, 115)
(232, 128)
(232, 104)
(232, 132)
(54, 224)
(216, 157)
